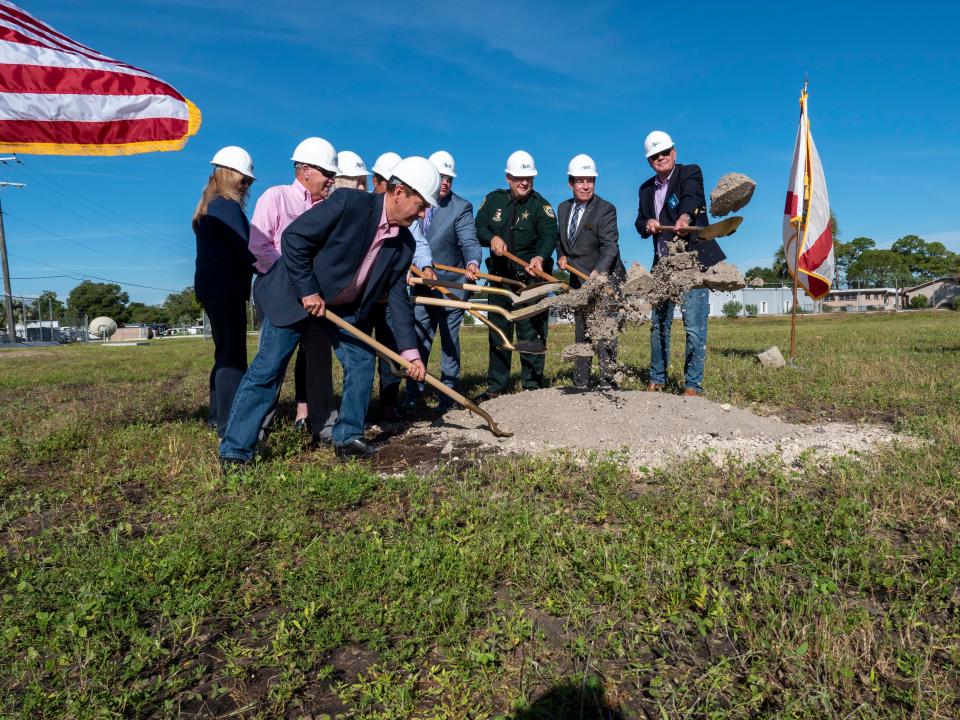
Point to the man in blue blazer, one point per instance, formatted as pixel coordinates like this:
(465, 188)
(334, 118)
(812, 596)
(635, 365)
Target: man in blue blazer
(452, 236)
(347, 253)
(675, 197)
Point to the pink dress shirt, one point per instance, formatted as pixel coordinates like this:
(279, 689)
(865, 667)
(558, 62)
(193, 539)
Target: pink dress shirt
(659, 195)
(279, 206)
(352, 290)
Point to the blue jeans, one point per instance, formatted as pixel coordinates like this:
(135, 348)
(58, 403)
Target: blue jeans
(694, 311)
(427, 321)
(258, 389)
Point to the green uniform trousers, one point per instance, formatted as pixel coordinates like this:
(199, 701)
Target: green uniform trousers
(531, 366)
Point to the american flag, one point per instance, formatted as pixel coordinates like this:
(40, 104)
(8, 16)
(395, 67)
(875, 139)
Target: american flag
(58, 97)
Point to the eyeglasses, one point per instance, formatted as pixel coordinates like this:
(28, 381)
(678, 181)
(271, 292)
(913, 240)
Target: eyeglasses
(447, 179)
(662, 153)
(246, 181)
(328, 174)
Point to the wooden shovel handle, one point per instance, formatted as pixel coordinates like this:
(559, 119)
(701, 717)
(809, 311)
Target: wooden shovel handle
(485, 276)
(406, 364)
(579, 273)
(479, 316)
(468, 287)
(539, 273)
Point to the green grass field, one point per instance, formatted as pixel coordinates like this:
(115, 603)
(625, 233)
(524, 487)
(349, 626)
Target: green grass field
(137, 582)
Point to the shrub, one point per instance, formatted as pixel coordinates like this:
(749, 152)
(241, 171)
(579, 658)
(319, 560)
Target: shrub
(918, 301)
(956, 302)
(732, 308)
(751, 310)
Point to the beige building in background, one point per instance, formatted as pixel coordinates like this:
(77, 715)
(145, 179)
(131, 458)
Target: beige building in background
(861, 299)
(939, 293)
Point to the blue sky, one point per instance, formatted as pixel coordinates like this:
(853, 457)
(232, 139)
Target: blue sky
(484, 79)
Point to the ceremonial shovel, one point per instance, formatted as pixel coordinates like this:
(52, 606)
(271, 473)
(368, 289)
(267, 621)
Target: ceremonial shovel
(389, 354)
(529, 295)
(485, 276)
(529, 347)
(710, 232)
(520, 314)
(539, 273)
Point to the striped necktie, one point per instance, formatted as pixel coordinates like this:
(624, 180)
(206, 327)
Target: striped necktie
(426, 220)
(574, 221)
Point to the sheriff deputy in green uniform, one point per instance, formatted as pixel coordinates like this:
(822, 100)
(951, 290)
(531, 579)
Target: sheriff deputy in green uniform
(521, 221)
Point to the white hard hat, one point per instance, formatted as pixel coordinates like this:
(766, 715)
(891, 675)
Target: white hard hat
(235, 158)
(420, 174)
(317, 152)
(582, 166)
(657, 141)
(351, 164)
(444, 162)
(520, 164)
(385, 164)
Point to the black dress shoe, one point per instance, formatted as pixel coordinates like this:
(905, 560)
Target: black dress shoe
(302, 424)
(485, 396)
(357, 448)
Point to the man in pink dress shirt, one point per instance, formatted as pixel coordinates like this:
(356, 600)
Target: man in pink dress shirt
(314, 166)
(346, 254)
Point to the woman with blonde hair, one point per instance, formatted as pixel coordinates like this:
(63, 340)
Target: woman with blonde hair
(224, 273)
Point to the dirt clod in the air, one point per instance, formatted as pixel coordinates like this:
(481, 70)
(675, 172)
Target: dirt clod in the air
(732, 192)
(723, 277)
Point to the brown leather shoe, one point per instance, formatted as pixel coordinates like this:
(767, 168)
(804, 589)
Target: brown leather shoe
(653, 387)
(689, 392)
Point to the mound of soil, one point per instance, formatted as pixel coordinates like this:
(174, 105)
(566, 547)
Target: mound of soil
(649, 429)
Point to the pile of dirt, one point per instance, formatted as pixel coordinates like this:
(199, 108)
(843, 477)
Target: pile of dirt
(648, 429)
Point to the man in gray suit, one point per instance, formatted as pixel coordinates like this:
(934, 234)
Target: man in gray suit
(450, 231)
(588, 239)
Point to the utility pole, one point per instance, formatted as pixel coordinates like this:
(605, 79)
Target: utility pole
(7, 292)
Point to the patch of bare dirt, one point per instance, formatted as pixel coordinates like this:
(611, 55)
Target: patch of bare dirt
(643, 429)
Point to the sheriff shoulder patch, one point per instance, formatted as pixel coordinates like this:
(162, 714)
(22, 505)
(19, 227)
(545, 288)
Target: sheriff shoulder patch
(548, 209)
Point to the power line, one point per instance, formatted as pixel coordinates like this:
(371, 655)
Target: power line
(76, 242)
(84, 276)
(40, 277)
(59, 187)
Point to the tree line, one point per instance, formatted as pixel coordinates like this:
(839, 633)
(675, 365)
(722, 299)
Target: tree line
(911, 260)
(93, 299)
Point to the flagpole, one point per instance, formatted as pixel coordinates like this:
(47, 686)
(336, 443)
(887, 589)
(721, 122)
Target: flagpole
(801, 228)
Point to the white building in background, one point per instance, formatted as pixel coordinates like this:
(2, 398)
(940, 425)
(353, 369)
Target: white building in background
(39, 330)
(769, 300)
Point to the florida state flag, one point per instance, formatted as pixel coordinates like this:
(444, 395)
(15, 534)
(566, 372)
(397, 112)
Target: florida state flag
(58, 97)
(806, 217)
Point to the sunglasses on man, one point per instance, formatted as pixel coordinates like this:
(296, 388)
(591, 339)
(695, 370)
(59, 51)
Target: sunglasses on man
(662, 153)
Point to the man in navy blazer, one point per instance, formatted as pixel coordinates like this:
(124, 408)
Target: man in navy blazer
(450, 231)
(347, 253)
(675, 196)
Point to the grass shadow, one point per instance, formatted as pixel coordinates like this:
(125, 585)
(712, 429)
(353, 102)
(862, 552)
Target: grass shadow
(571, 700)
